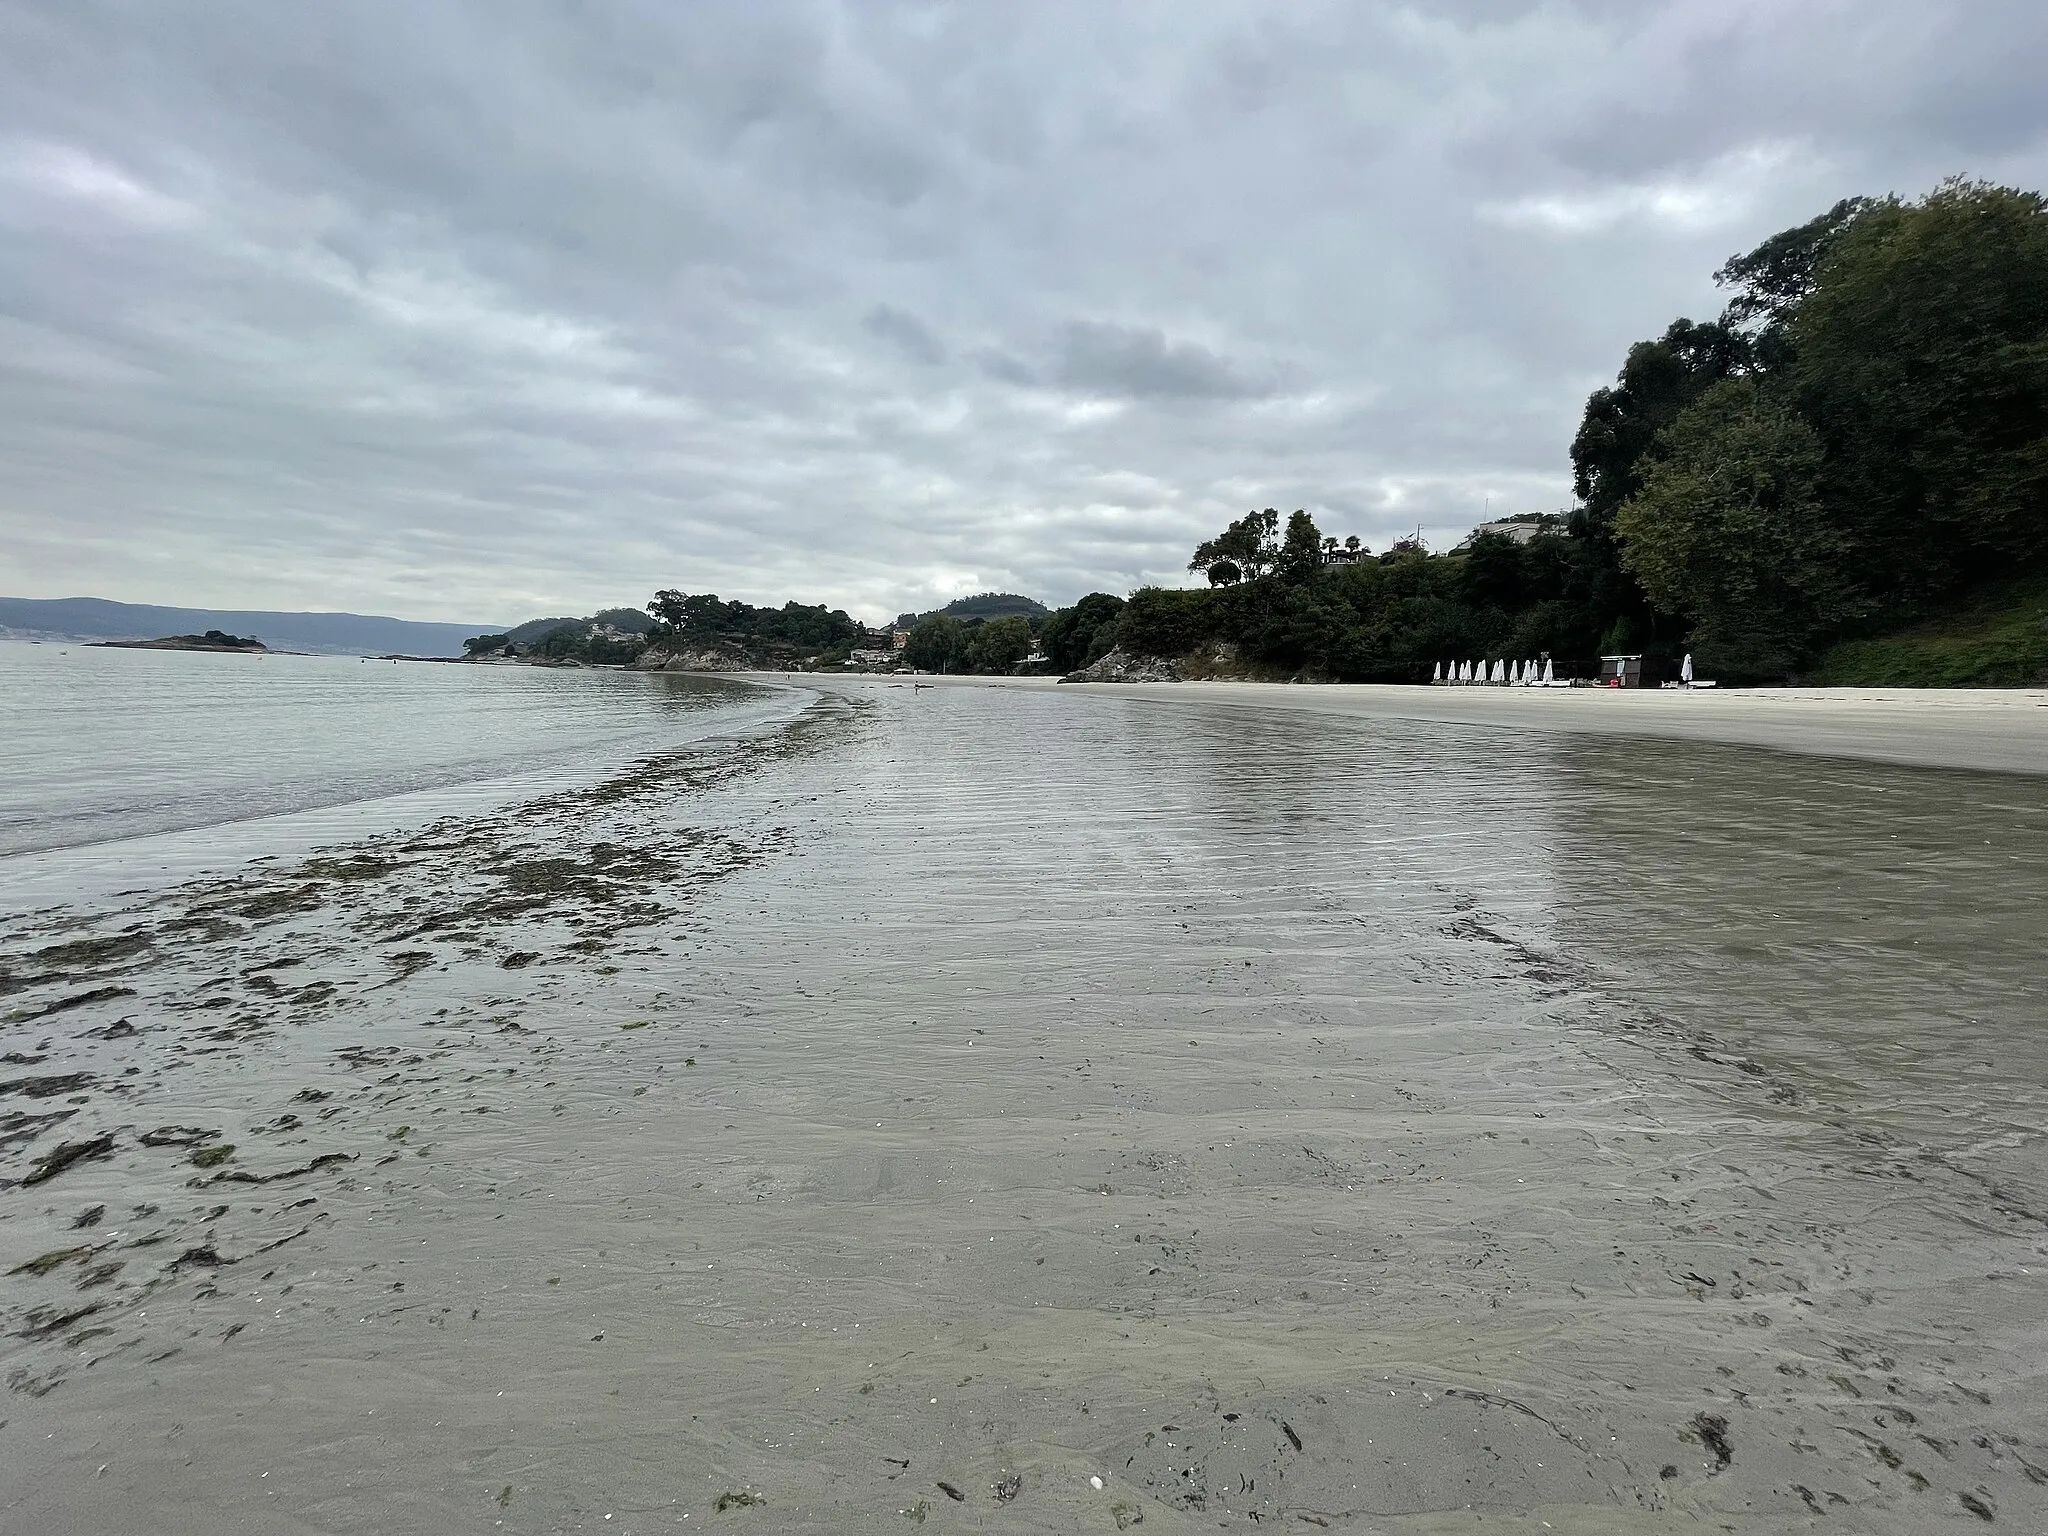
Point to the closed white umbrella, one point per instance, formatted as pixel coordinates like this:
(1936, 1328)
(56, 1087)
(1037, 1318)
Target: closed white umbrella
(1438, 676)
(1685, 669)
(1549, 676)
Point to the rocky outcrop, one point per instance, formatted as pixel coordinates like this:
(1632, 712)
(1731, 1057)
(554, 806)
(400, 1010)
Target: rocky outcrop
(694, 658)
(1122, 667)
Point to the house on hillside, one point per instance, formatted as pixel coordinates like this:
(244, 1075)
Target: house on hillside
(1522, 527)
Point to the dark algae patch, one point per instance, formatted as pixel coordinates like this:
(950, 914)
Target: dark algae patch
(43, 1263)
(93, 952)
(1712, 1429)
(67, 1004)
(47, 1087)
(177, 1136)
(69, 1155)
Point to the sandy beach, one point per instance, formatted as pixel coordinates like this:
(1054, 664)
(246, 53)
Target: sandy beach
(1029, 1109)
(2001, 730)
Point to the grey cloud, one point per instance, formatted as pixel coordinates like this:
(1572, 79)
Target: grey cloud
(507, 306)
(1142, 361)
(908, 332)
(998, 364)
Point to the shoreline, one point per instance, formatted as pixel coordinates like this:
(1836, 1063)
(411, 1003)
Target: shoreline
(1985, 730)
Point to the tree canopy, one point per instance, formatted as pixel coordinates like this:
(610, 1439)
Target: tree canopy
(1861, 434)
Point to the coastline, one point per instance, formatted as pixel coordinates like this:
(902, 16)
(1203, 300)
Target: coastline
(1987, 730)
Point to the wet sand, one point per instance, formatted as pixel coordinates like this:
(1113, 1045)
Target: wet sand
(964, 1097)
(1999, 730)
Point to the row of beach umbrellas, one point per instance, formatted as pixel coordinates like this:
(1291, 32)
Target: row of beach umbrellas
(1510, 674)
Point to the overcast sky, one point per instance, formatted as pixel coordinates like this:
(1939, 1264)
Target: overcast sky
(482, 310)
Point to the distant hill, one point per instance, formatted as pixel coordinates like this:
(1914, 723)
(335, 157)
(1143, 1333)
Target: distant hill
(983, 605)
(631, 621)
(337, 634)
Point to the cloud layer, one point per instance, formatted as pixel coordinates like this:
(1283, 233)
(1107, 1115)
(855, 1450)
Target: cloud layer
(494, 307)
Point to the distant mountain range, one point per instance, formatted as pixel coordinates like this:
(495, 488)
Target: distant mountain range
(334, 634)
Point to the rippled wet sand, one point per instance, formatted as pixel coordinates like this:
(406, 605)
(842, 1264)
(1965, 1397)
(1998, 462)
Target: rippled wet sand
(966, 1096)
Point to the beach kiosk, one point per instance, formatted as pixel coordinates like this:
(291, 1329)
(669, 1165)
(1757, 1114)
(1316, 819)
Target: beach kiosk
(1622, 672)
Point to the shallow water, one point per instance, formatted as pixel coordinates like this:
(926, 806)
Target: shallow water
(128, 764)
(1373, 1125)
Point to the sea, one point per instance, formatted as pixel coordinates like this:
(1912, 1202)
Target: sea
(122, 768)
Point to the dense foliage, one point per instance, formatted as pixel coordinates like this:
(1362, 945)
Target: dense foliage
(1075, 636)
(982, 605)
(704, 618)
(1881, 445)
(590, 644)
(1860, 439)
(943, 643)
(937, 644)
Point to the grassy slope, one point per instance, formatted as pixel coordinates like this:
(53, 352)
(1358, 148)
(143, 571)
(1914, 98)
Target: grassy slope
(1996, 638)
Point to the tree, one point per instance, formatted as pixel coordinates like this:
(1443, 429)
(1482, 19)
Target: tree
(937, 644)
(1921, 356)
(1657, 380)
(676, 614)
(1250, 545)
(1075, 636)
(794, 626)
(1773, 280)
(1493, 571)
(1729, 530)
(1301, 552)
(477, 645)
(1167, 621)
(999, 644)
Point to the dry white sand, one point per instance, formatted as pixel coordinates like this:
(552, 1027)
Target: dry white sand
(2001, 730)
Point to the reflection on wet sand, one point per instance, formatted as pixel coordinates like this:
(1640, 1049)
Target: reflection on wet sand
(1046, 1113)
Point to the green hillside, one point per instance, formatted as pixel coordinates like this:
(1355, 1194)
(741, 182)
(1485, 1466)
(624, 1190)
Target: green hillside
(1997, 637)
(983, 605)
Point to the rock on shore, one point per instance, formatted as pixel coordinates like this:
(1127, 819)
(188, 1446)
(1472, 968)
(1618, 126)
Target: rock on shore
(693, 658)
(1121, 667)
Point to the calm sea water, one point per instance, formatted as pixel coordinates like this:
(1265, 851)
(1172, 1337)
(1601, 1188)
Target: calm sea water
(118, 763)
